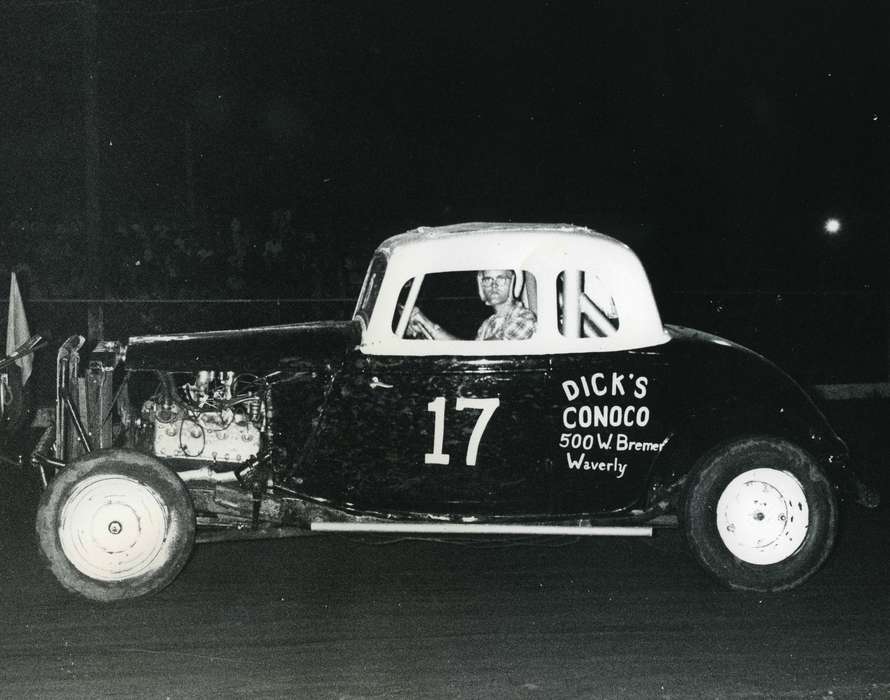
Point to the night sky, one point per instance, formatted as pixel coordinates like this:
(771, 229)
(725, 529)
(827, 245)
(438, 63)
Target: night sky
(715, 138)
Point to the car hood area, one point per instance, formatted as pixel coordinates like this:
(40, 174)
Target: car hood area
(257, 349)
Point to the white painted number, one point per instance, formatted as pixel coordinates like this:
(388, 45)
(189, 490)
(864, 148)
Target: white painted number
(437, 407)
(487, 406)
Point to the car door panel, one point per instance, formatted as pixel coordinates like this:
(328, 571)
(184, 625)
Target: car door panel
(438, 434)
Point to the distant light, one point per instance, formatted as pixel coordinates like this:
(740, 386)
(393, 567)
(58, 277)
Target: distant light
(832, 226)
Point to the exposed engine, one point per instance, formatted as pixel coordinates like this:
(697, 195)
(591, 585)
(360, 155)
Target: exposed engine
(218, 417)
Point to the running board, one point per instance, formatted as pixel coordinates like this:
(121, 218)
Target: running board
(482, 529)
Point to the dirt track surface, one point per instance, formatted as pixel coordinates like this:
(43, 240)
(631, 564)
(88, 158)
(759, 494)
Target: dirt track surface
(334, 617)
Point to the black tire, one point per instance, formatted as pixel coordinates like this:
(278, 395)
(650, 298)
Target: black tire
(16, 402)
(116, 524)
(774, 527)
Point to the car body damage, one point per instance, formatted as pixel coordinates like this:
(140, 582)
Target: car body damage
(599, 420)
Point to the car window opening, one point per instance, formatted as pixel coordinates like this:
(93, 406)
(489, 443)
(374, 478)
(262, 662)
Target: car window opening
(585, 308)
(441, 306)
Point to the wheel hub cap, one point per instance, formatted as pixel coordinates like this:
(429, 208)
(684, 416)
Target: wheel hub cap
(113, 528)
(762, 516)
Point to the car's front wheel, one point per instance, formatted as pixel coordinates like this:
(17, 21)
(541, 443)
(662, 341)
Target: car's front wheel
(116, 524)
(760, 515)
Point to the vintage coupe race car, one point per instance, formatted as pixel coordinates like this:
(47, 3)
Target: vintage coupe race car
(592, 418)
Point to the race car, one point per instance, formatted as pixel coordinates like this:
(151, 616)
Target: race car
(494, 379)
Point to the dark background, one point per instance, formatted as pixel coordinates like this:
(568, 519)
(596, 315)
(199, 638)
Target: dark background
(261, 148)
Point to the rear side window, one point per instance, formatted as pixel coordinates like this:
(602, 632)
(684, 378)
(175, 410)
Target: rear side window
(585, 306)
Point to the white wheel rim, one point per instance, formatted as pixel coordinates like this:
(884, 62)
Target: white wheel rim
(113, 528)
(763, 516)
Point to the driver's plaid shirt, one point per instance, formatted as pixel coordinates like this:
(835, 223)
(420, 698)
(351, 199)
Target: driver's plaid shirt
(518, 324)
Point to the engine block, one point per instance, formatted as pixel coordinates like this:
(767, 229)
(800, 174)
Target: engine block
(218, 436)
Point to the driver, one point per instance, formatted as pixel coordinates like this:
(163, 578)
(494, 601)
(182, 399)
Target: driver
(511, 319)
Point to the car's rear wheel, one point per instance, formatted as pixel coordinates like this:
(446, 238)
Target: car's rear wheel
(760, 514)
(116, 524)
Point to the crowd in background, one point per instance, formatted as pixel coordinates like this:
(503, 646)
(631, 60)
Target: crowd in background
(266, 258)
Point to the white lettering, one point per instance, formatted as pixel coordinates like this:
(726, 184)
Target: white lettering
(601, 415)
(586, 416)
(625, 444)
(599, 387)
(603, 384)
(582, 464)
(571, 389)
(575, 464)
(565, 417)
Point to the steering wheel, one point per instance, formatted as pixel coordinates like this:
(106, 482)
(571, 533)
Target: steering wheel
(416, 328)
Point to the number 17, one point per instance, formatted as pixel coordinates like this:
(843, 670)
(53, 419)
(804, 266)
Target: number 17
(437, 407)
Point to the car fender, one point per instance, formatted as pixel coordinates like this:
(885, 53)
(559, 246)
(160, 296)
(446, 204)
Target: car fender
(698, 432)
(729, 391)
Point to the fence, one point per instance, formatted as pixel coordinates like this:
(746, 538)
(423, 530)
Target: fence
(820, 338)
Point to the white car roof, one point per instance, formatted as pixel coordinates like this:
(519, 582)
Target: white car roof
(470, 244)
(542, 249)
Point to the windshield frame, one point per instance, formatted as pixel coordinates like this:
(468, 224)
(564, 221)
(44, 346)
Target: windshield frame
(367, 298)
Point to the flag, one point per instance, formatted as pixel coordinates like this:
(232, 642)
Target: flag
(17, 331)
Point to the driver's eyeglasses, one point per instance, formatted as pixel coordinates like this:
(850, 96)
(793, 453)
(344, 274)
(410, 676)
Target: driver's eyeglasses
(501, 280)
